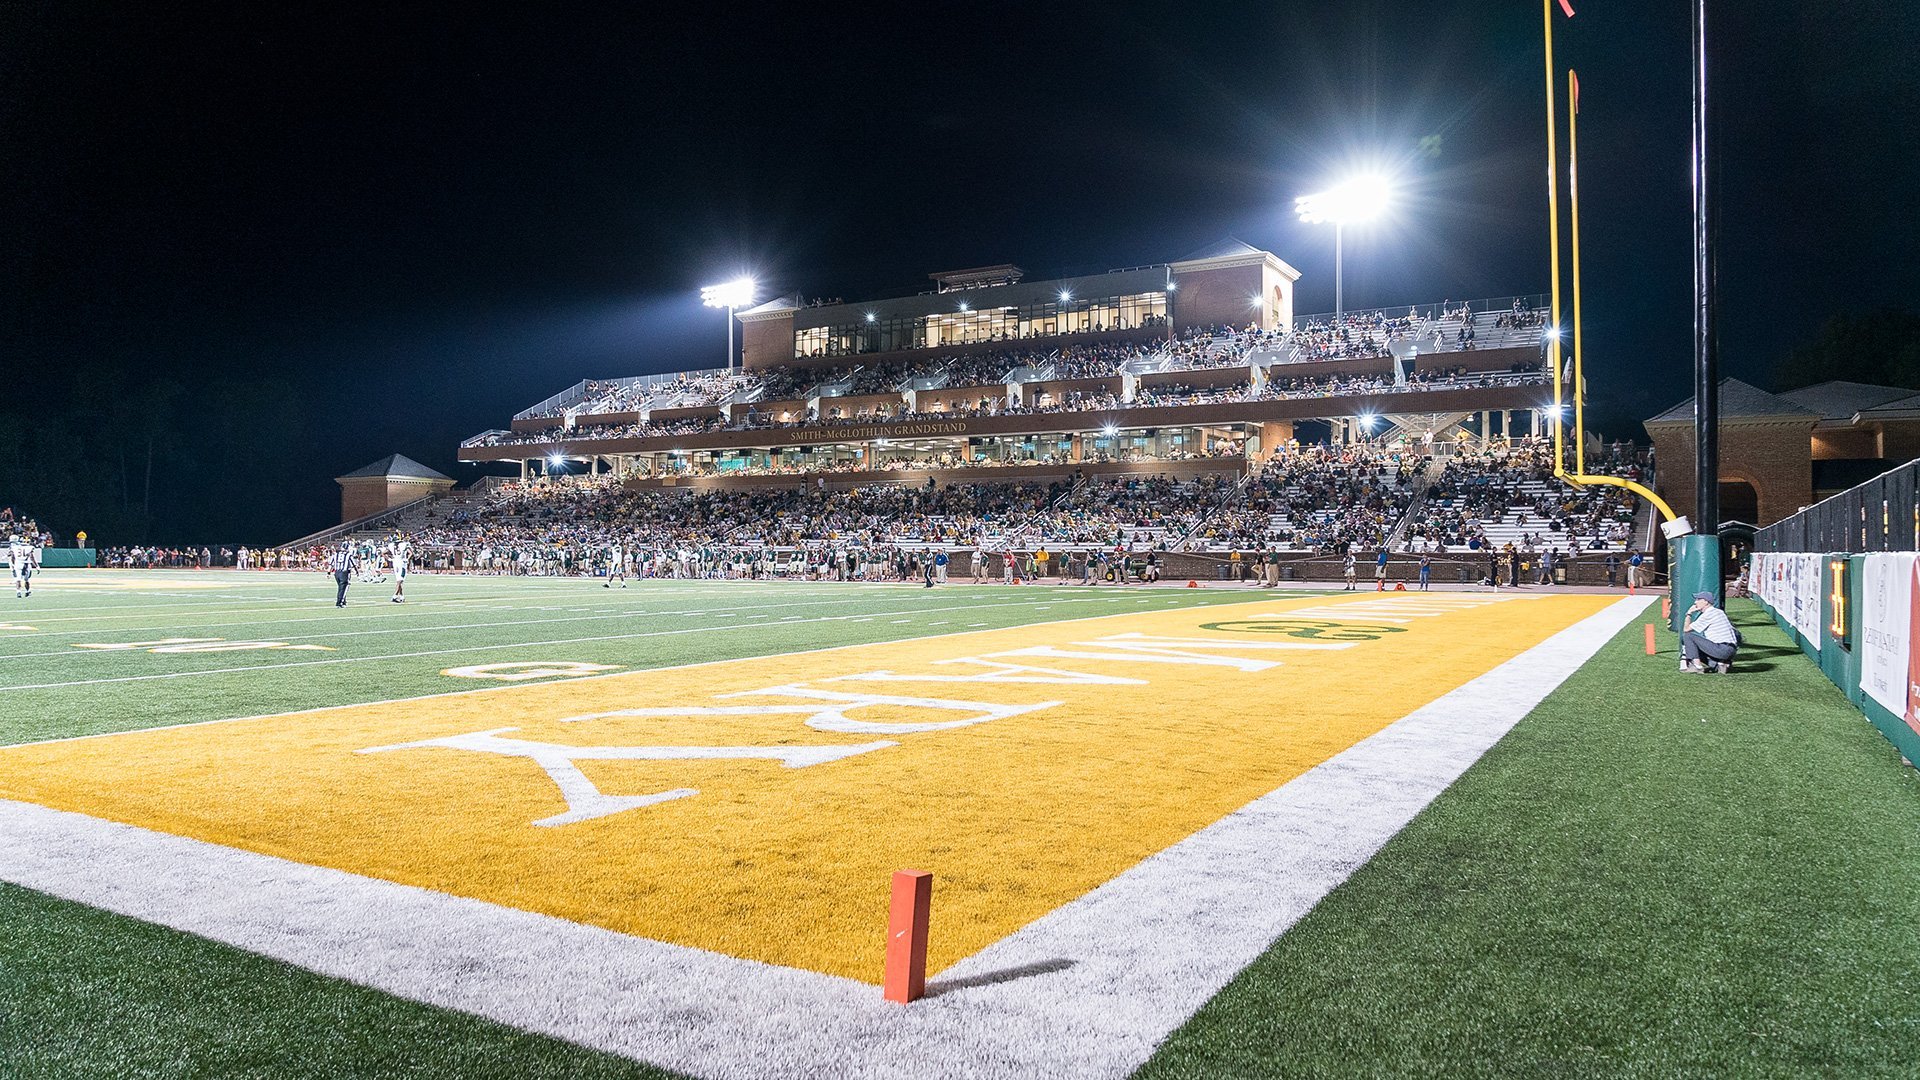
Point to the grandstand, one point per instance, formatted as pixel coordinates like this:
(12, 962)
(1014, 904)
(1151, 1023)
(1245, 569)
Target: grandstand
(1196, 357)
(1178, 409)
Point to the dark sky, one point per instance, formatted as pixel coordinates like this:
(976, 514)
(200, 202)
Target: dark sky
(424, 218)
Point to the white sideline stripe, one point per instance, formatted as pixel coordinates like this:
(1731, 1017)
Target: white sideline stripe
(1088, 990)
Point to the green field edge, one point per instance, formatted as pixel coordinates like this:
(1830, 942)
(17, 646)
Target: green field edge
(1653, 874)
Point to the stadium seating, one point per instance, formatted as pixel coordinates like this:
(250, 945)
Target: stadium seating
(1508, 495)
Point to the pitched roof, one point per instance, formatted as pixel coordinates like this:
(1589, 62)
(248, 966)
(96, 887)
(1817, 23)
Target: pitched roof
(1740, 400)
(789, 302)
(1900, 405)
(396, 465)
(1838, 400)
(1223, 248)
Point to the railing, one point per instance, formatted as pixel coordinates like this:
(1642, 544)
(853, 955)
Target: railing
(1232, 495)
(364, 522)
(1397, 538)
(1882, 514)
(1444, 309)
(578, 392)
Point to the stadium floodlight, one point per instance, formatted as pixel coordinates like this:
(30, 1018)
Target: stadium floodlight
(964, 306)
(731, 295)
(1354, 201)
(1110, 430)
(1066, 296)
(871, 316)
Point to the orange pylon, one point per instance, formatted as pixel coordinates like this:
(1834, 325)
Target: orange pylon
(907, 917)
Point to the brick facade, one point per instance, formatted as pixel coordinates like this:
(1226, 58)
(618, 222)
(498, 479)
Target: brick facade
(1773, 455)
(766, 340)
(364, 495)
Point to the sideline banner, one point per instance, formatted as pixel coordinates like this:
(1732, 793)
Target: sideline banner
(1886, 618)
(1912, 712)
(1806, 597)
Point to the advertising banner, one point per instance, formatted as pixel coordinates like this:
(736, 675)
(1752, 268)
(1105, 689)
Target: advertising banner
(1913, 642)
(1886, 617)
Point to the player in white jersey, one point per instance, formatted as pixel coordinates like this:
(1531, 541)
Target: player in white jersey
(23, 555)
(616, 566)
(401, 552)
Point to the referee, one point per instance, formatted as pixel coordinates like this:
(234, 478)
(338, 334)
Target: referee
(342, 564)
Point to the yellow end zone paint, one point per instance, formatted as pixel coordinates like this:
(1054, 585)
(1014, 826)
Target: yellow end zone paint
(758, 807)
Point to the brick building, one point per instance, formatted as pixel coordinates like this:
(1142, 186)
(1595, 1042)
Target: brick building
(394, 480)
(1230, 283)
(1780, 452)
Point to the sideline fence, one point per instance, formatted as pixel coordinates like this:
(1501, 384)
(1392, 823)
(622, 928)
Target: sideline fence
(1840, 578)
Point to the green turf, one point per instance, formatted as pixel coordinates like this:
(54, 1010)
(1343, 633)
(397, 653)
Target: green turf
(375, 650)
(84, 993)
(1654, 874)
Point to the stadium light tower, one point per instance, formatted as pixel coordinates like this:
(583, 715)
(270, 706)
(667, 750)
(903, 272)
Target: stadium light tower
(1354, 201)
(731, 295)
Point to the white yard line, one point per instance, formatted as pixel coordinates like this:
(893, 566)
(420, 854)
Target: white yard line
(509, 688)
(607, 613)
(333, 661)
(302, 603)
(1088, 990)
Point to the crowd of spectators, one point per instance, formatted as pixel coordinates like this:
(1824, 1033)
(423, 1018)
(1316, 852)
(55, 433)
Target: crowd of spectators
(568, 526)
(1320, 498)
(1353, 335)
(1508, 494)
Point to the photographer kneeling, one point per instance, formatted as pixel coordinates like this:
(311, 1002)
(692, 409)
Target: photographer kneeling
(1707, 636)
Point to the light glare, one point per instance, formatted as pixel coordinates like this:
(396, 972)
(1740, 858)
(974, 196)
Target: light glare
(737, 293)
(1360, 198)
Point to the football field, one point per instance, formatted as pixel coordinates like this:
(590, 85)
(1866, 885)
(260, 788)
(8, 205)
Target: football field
(537, 825)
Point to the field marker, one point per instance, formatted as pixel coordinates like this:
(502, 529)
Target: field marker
(1650, 648)
(907, 918)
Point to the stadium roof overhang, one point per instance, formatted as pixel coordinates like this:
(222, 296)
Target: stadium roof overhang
(1017, 294)
(1467, 400)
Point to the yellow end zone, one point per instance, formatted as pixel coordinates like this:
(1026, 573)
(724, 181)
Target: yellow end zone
(757, 807)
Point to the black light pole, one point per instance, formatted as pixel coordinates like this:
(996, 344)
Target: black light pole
(1706, 345)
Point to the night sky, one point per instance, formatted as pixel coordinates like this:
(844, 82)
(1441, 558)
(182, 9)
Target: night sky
(414, 220)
